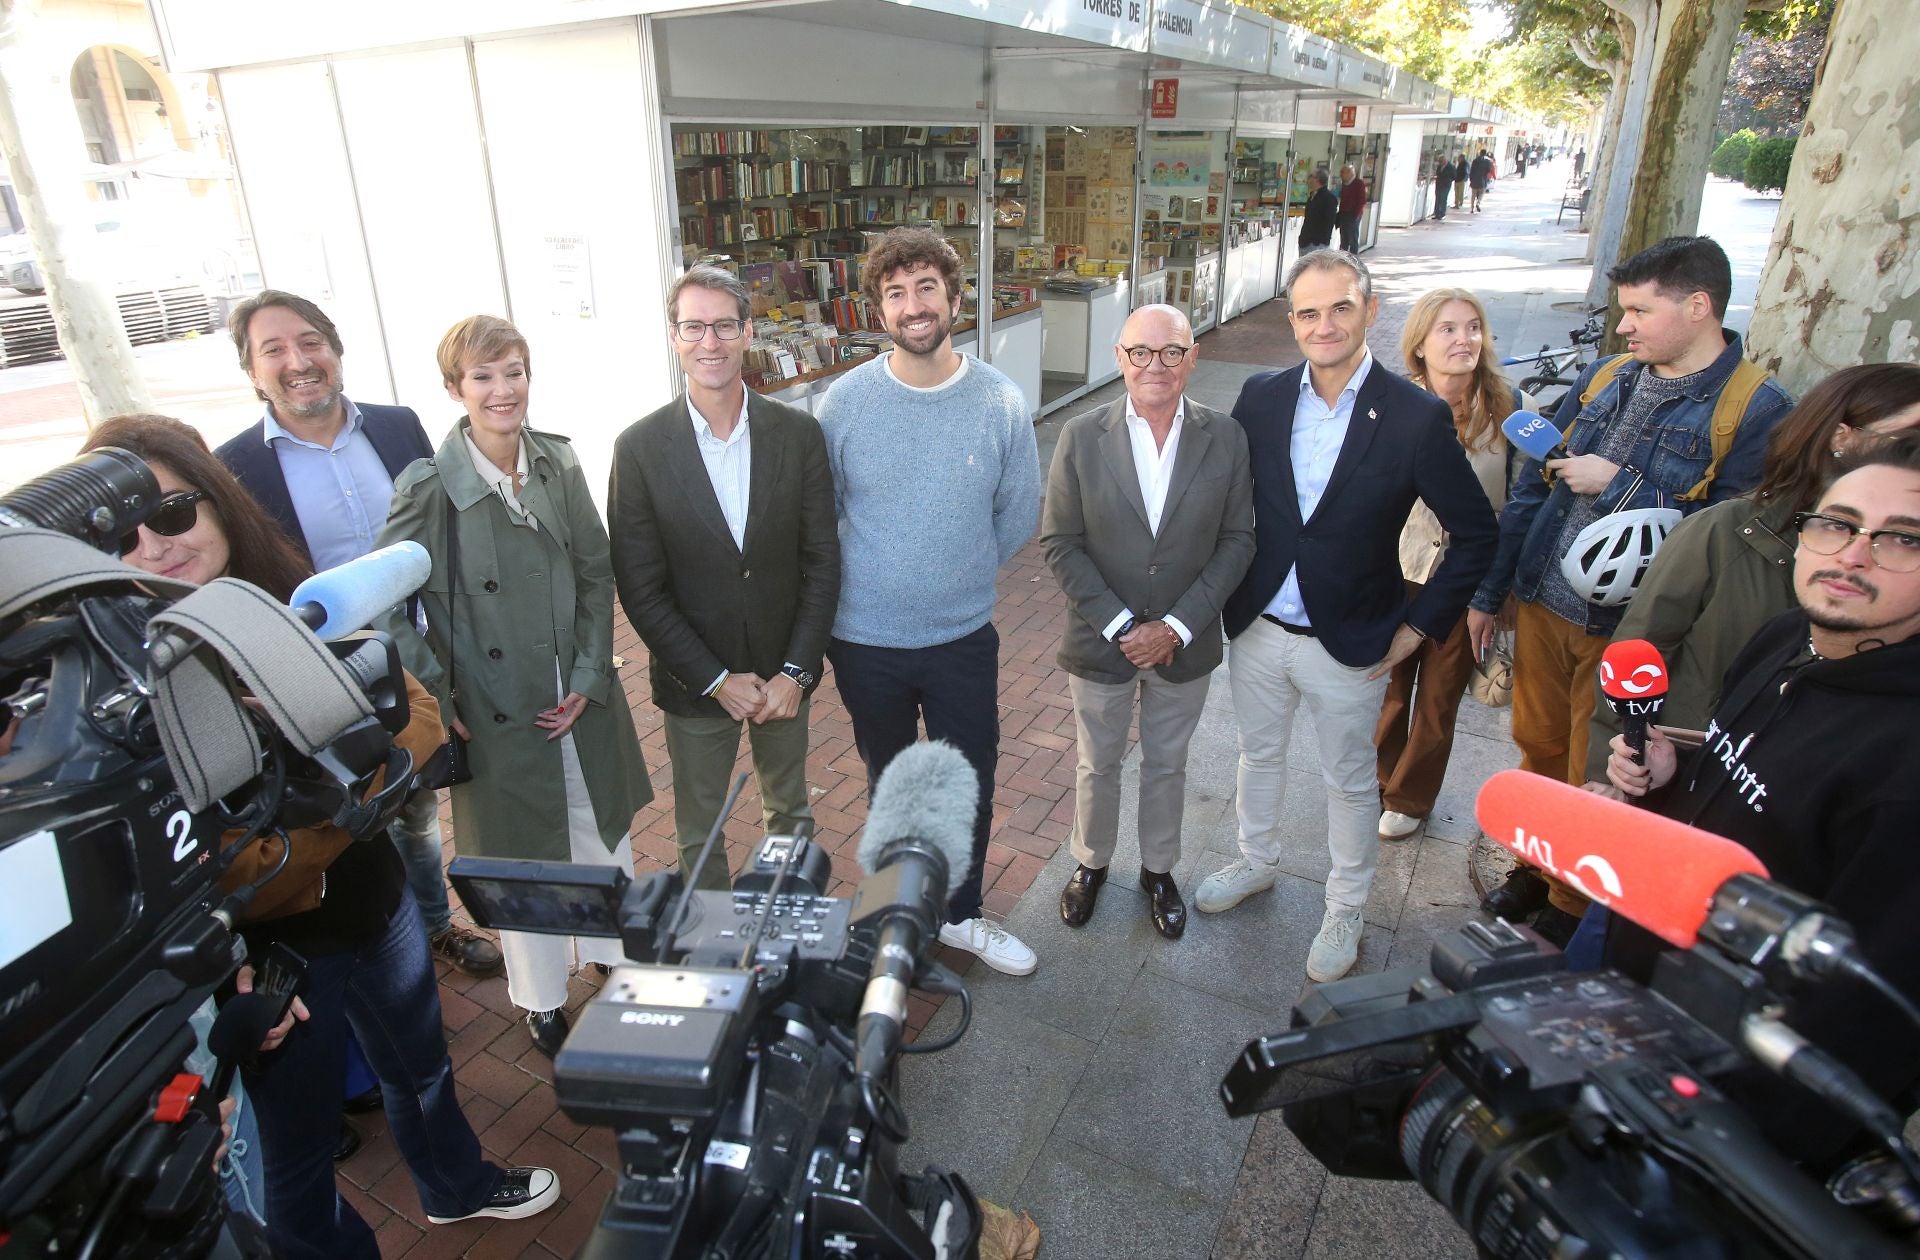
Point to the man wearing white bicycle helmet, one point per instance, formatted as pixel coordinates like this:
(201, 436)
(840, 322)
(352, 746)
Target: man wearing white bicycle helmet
(1679, 422)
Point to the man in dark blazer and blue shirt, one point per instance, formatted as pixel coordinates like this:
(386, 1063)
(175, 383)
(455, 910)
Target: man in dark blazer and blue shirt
(1340, 448)
(323, 467)
(726, 554)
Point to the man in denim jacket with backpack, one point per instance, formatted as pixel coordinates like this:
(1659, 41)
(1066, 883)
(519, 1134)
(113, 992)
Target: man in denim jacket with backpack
(1679, 422)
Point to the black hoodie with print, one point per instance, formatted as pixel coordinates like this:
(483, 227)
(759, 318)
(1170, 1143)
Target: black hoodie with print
(1814, 765)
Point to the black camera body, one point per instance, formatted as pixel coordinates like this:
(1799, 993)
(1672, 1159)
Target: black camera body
(1550, 1113)
(114, 928)
(723, 1061)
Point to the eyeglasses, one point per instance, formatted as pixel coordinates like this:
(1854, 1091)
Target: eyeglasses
(1141, 356)
(174, 516)
(1894, 550)
(691, 330)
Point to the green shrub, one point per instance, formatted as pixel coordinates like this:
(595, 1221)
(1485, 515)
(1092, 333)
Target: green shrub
(1767, 165)
(1729, 160)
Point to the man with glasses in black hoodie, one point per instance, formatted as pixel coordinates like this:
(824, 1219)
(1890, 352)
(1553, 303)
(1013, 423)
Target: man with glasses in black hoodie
(1810, 762)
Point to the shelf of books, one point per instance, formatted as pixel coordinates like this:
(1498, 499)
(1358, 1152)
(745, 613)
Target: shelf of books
(792, 211)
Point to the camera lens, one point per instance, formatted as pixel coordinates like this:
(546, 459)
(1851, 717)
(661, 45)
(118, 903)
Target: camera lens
(97, 498)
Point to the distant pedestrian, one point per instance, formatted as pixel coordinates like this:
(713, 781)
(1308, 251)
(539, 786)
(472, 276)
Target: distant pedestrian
(1323, 208)
(1459, 179)
(1442, 180)
(1478, 175)
(1579, 162)
(1353, 204)
(1520, 162)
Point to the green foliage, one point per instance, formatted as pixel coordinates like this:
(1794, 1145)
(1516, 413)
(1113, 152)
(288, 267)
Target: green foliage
(1428, 37)
(1729, 160)
(1767, 165)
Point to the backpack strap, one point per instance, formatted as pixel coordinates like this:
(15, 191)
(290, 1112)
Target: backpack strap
(1728, 412)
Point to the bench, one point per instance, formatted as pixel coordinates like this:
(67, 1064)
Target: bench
(1574, 197)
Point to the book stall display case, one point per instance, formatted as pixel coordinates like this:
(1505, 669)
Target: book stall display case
(792, 210)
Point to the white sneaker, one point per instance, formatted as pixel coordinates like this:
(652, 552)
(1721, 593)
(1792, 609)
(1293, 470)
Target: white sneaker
(522, 1192)
(1337, 947)
(1397, 826)
(1233, 884)
(996, 947)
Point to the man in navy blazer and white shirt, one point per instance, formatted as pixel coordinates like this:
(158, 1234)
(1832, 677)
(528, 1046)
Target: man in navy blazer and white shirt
(1341, 448)
(323, 467)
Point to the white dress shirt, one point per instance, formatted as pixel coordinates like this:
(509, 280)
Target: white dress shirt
(1319, 431)
(1153, 464)
(729, 464)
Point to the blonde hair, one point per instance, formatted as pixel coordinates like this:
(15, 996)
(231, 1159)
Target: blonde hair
(479, 339)
(1490, 397)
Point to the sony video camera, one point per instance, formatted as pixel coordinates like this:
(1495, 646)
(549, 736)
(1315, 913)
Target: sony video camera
(1574, 1114)
(112, 929)
(745, 1059)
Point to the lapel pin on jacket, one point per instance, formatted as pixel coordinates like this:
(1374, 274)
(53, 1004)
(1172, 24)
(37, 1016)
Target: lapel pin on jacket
(1372, 414)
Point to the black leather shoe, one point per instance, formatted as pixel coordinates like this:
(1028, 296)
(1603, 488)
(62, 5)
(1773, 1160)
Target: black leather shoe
(1523, 893)
(364, 1104)
(549, 1029)
(1082, 890)
(1163, 897)
(1556, 926)
(347, 1143)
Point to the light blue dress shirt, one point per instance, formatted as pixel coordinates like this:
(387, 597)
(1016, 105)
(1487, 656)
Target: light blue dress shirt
(1319, 431)
(340, 493)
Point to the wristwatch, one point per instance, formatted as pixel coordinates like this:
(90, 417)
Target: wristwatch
(1126, 628)
(800, 676)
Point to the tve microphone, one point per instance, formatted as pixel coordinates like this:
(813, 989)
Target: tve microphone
(918, 844)
(1534, 434)
(349, 596)
(1661, 874)
(1633, 677)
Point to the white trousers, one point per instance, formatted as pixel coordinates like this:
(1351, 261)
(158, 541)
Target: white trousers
(1272, 671)
(538, 964)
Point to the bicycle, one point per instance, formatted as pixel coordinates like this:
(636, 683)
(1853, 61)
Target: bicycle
(1560, 368)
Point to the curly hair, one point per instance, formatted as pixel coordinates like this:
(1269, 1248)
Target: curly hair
(257, 550)
(907, 249)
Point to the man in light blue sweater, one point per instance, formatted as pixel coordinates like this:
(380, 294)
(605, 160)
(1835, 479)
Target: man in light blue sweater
(937, 482)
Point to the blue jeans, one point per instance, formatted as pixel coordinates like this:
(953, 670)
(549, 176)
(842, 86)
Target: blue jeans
(387, 992)
(956, 688)
(415, 832)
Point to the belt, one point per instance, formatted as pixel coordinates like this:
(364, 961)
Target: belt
(1303, 631)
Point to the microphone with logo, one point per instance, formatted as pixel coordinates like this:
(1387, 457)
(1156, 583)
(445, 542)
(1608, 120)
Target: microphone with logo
(1633, 677)
(918, 844)
(1535, 435)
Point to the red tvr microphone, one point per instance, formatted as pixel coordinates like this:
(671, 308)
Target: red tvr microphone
(1633, 677)
(1661, 874)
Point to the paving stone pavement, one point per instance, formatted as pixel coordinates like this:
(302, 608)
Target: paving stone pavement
(1084, 1094)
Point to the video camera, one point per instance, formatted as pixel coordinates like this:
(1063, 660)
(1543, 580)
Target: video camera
(131, 775)
(1573, 1114)
(745, 1059)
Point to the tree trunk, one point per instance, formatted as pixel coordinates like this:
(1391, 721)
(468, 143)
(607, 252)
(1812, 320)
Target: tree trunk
(1842, 280)
(44, 158)
(1603, 162)
(1638, 23)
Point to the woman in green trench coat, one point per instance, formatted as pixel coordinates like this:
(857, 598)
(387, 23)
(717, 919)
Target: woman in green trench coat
(524, 622)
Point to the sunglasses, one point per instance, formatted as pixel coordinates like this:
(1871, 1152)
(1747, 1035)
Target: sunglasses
(173, 516)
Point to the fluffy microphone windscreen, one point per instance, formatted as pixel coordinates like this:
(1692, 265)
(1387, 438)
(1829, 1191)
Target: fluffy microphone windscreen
(1657, 872)
(1633, 669)
(1532, 432)
(929, 793)
(356, 592)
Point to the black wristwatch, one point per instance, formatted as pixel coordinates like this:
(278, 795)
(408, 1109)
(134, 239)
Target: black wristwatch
(1126, 628)
(799, 675)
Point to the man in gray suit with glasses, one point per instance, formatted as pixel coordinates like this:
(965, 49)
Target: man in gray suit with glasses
(1149, 527)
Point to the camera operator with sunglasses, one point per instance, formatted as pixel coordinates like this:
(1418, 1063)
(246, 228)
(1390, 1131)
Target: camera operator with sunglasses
(1810, 762)
(343, 906)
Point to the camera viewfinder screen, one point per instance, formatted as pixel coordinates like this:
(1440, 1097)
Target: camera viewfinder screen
(563, 909)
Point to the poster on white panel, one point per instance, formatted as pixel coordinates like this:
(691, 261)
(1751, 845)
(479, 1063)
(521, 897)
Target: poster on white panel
(568, 274)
